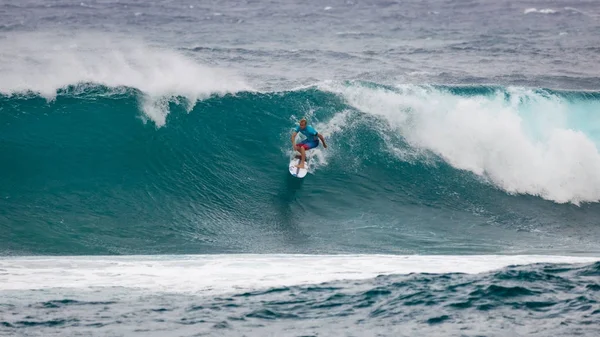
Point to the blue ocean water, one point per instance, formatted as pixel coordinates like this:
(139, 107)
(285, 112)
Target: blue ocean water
(144, 186)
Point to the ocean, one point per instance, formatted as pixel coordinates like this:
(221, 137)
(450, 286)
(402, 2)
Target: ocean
(144, 184)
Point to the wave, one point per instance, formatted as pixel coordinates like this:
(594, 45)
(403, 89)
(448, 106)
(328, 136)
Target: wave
(541, 11)
(45, 63)
(524, 141)
(418, 159)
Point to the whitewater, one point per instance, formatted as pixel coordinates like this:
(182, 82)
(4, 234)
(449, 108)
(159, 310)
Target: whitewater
(144, 189)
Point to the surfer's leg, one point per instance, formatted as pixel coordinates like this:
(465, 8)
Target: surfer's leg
(301, 147)
(302, 156)
(305, 146)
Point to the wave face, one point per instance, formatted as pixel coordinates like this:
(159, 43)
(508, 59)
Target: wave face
(436, 169)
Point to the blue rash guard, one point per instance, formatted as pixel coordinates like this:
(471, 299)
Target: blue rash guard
(311, 140)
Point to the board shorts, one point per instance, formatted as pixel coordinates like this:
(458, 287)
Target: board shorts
(308, 144)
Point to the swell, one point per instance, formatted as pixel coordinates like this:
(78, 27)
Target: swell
(89, 173)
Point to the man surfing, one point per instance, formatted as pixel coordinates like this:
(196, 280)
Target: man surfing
(311, 141)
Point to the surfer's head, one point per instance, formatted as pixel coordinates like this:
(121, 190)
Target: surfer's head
(302, 123)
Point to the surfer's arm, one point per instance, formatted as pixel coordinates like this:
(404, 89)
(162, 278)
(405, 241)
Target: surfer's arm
(294, 138)
(322, 139)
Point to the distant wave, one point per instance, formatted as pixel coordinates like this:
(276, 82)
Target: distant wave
(541, 11)
(45, 63)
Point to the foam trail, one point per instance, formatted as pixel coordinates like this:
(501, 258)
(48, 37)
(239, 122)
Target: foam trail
(524, 142)
(329, 129)
(44, 63)
(213, 274)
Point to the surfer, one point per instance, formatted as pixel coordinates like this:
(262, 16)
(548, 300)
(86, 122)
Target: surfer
(311, 141)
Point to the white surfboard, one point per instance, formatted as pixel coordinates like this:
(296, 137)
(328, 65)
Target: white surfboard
(298, 172)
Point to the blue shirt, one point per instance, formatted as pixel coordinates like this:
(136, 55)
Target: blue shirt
(308, 132)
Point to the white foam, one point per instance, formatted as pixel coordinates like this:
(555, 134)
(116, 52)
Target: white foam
(524, 145)
(541, 11)
(328, 129)
(210, 274)
(46, 62)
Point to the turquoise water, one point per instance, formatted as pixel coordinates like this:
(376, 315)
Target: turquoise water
(144, 187)
(90, 173)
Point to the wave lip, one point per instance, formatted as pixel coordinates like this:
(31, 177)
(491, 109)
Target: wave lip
(521, 140)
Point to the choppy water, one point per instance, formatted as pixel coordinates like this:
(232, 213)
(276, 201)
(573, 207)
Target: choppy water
(455, 128)
(288, 295)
